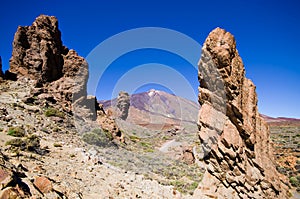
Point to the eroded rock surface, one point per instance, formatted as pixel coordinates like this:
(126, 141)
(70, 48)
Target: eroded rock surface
(38, 54)
(123, 103)
(38, 50)
(235, 139)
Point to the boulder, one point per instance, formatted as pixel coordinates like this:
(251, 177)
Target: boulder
(43, 184)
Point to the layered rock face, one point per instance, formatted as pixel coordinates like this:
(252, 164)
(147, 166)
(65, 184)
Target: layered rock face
(123, 103)
(234, 138)
(60, 74)
(38, 50)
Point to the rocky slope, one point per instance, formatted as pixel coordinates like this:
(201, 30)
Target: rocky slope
(57, 142)
(235, 139)
(285, 133)
(42, 152)
(44, 156)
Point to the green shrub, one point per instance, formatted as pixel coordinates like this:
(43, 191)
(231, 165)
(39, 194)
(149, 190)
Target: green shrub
(54, 112)
(294, 182)
(57, 145)
(97, 137)
(16, 132)
(29, 143)
(17, 142)
(145, 144)
(134, 138)
(32, 143)
(184, 187)
(106, 133)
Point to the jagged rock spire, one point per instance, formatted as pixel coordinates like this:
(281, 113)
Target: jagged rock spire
(38, 50)
(235, 140)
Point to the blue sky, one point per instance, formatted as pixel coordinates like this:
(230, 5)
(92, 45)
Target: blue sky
(267, 34)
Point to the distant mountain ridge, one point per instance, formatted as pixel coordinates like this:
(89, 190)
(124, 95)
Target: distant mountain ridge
(156, 107)
(272, 121)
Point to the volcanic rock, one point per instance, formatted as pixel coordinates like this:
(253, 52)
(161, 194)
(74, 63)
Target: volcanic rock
(123, 103)
(43, 184)
(235, 140)
(38, 50)
(60, 74)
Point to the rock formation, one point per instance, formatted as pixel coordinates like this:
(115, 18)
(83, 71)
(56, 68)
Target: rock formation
(38, 54)
(234, 138)
(60, 74)
(107, 123)
(123, 103)
(38, 50)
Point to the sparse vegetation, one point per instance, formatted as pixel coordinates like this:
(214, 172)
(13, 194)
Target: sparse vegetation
(294, 181)
(57, 145)
(54, 112)
(16, 131)
(30, 143)
(286, 139)
(134, 138)
(97, 137)
(184, 187)
(17, 142)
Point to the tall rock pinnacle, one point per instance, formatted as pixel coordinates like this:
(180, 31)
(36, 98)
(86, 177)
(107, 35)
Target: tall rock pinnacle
(38, 54)
(60, 75)
(38, 50)
(235, 140)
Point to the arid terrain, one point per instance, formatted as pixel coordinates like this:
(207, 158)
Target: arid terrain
(58, 142)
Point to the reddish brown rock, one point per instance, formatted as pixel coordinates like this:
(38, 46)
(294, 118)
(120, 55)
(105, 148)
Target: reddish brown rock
(61, 74)
(188, 156)
(38, 50)
(108, 123)
(43, 184)
(10, 193)
(6, 177)
(235, 141)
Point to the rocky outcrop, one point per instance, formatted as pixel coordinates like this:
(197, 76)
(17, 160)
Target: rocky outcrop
(60, 74)
(108, 123)
(38, 50)
(13, 184)
(234, 138)
(123, 103)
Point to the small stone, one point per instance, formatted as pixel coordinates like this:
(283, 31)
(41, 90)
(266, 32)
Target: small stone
(5, 177)
(43, 184)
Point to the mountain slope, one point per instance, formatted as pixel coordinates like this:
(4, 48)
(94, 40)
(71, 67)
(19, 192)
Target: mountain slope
(158, 110)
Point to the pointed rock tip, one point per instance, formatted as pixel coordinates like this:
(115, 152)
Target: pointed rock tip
(45, 20)
(220, 38)
(43, 17)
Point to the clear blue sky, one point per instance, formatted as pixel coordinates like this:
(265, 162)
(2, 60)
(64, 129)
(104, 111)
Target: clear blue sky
(267, 34)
